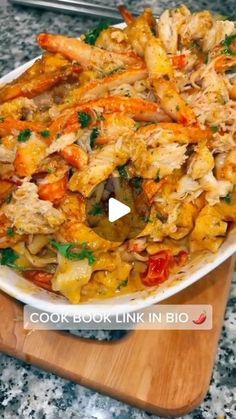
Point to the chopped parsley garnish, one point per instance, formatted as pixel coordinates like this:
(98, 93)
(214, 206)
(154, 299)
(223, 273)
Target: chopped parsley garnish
(228, 40)
(227, 199)
(51, 170)
(24, 135)
(93, 136)
(10, 232)
(137, 183)
(115, 70)
(96, 209)
(8, 257)
(123, 284)
(9, 198)
(45, 133)
(147, 219)
(138, 125)
(177, 108)
(91, 36)
(84, 119)
(214, 128)
(67, 250)
(122, 171)
(194, 44)
(228, 51)
(157, 179)
(2, 119)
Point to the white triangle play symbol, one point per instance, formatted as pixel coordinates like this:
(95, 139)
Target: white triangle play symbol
(116, 210)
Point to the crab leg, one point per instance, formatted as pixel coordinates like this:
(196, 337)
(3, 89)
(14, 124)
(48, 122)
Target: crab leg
(9, 125)
(38, 84)
(170, 131)
(136, 108)
(101, 87)
(87, 55)
(160, 68)
(126, 14)
(161, 76)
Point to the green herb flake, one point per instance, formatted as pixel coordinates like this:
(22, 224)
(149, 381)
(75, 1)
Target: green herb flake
(67, 250)
(194, 44)
(228, 40)
(91, 36)
(51, 170)
(84, 119)
(115, 70)
(8, 257)
(158, 178)
(9, 198)
(96, 209)
(24, 135)
(45, 133)
(147, 219)
(177, 108)
(122, 284)
(93, 136)
(227, 199)
(137, 125)
(206, 59)
(122, 171)
(228, 51)
(214, 128)
(2, 119)
(10, 232)
(137, 182)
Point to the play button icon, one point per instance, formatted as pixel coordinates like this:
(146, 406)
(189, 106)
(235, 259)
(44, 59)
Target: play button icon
(117, 210)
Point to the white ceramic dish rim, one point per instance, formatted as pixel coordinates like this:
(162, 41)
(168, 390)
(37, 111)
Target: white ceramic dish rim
(19, 288)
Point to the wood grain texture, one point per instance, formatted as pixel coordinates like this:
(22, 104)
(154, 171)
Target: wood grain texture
(164, 372)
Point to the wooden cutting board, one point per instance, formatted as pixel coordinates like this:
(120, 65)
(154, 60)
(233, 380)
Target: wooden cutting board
(164, 372)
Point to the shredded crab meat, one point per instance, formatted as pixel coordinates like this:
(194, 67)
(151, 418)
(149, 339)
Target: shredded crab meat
(31, 215)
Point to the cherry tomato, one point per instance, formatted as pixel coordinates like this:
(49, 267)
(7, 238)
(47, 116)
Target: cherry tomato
(41, 278)
(158, 268)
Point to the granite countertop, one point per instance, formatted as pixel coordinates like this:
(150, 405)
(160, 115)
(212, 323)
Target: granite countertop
(26, 391)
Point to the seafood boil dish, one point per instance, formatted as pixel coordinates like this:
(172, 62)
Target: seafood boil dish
(153, 101)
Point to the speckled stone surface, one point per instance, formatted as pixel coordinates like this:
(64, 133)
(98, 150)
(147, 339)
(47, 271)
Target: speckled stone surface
(27, 392)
